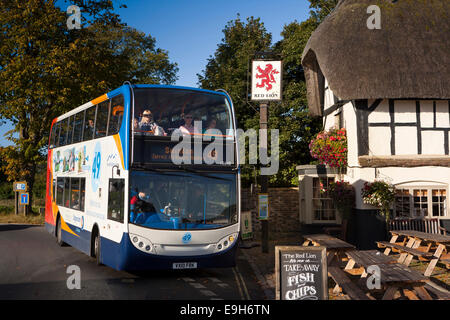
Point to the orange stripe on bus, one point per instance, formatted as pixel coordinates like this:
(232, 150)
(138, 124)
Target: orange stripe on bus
(99, 99)
(119, 148)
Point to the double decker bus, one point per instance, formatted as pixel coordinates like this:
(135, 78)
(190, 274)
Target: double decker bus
(147, 177)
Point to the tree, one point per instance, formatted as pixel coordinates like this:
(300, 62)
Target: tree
(46, 70)
(228, 68)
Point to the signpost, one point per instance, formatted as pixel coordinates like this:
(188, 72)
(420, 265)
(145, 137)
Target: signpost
(301, 273)
(263, 206)
(267, 75)
(19, 187)
(246, 225)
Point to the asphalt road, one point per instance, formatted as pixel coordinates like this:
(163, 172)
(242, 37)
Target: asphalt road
(33, 266)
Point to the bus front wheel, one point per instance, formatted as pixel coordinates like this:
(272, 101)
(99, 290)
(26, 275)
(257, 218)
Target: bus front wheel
(59, 233)
(97, 246)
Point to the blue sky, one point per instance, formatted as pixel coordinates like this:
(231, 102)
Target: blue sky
(191, 30)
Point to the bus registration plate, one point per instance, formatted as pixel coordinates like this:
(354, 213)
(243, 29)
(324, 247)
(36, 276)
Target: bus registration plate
(184, 265)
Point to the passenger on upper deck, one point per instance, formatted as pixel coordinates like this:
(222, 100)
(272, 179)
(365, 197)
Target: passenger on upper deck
(148, 125)
(188, 127)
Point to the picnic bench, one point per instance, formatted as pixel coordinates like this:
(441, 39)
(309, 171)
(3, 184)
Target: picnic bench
(335, 249)
(426, 246)
(393, 276)
(428, 225)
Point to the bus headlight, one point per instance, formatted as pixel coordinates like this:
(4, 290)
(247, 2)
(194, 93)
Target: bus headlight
(226, 242)
(141, 243)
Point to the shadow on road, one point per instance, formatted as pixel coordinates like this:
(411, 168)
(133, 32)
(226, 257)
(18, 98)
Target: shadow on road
(12, 227)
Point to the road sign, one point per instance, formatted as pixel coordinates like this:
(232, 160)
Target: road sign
(24, 198)
(246, 225)
(263, 206)
(20, 186)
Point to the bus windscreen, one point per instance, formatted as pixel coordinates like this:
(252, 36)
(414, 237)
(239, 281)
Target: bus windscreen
(181, 200)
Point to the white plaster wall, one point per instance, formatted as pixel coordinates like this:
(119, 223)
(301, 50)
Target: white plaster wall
(379, 141)
(381, 113)
(442, 117)
(405, 111)
(416, 176)
(426, 113)
(433, 142)
(352, 140)
(405, 140)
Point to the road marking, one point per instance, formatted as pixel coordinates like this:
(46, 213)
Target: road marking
(238, 284)
(197, 285)
(243, 283)
(188, 279)
(264, 283)
(208, 293)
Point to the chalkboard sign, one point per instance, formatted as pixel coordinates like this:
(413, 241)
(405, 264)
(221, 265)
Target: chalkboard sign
(301, 273)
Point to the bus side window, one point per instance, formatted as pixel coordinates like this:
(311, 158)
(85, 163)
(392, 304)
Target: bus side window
(89, 124)
(57, 126)
(116, 200)
(63, 132)
(52, 137)
(101, 123)
(116, 115)
(66, 202)
(59, 191)
(75, 193)
(82, 193)
(70, 130)
(78, 127)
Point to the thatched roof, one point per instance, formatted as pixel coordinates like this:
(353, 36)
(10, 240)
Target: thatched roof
(409, 57)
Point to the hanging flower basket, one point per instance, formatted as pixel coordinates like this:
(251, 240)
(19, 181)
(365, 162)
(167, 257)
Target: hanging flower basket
(343, 195)
(379, 194)
(330, 148)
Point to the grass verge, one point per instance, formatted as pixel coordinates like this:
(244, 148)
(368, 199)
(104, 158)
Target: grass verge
(7, 216)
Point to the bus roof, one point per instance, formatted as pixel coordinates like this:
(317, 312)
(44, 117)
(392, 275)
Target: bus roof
(135, 86)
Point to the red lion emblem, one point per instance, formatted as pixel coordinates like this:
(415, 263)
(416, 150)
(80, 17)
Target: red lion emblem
(267, 76)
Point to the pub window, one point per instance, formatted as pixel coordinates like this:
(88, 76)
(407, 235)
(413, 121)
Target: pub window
(89, 124)
(60, 191)
(420, 202)
(101, 124)
(116, 115)
(439, 202)
(402, 203)
(63, 132)
(78, 127)
(323, 208)
(116, 200)
(70, 130)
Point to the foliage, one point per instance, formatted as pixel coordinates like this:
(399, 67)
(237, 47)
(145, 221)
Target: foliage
(46, 70)
(330, 147)
(379, 194)
(343, 195)
(228, 69)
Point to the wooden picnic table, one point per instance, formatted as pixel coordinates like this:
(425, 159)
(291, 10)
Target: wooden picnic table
(397, 276)
(426, 246)
(393, 276)
(335, 247)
